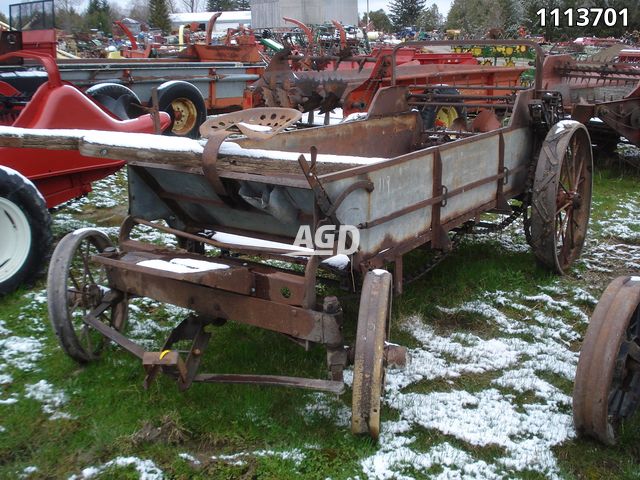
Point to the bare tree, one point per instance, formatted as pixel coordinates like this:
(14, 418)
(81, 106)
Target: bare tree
(139, 10)
(192, 5)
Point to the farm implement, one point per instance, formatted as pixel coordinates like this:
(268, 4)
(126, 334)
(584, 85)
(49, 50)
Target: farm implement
(603, 96)
(391, 181)
(33, 180)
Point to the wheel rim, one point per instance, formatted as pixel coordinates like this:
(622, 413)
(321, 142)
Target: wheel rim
(607, 385)
(185, 115)
(86, 285)
(445, 116)
(368, 369)
(16, 239)
(574, 190)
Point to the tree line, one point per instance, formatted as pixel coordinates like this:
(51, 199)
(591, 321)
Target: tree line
(476, 17)
(100, 14)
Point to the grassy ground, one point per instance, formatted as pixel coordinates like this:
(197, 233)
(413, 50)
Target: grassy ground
(99, 415)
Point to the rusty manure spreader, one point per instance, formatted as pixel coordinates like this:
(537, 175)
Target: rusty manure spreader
(400, 185)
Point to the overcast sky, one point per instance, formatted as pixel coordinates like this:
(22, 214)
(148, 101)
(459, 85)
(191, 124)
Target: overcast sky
(443, 5)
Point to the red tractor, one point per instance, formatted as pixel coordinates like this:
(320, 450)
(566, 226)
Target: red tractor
(31, 183)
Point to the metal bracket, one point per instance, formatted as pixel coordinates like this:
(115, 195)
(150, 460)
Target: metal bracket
(444, 195)
(326, 205)
(505, 175)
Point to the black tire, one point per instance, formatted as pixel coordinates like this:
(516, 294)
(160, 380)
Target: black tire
(121, 101)
(185, 105)
(25, 226)
(430, 112)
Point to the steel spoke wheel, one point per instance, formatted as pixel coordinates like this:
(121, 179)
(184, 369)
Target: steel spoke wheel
(607, 385)
(76, 285)
(561, 197)
(368, 366)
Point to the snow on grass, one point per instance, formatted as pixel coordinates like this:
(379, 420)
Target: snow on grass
(149, 321)
(52, 399)
(607, 257)
(107, 193)
(28, 471)
(623, 222)
(18, 352)
(497, 392)
(327, 407)
(189, 458)
(21, 353)
(146, 469)
(295, 455)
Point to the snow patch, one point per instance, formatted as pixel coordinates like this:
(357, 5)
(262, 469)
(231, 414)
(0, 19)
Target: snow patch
(183, 265)
(147, 470)
(52, 399)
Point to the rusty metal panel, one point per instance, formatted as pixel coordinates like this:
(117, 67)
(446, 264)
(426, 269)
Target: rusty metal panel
(396, 187)
(518, 145)
(467, 163)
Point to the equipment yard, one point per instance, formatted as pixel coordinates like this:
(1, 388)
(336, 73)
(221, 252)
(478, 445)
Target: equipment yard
(493, 340)
(280, 247)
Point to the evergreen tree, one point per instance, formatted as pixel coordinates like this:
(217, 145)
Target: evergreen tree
(430, 18)
(99, 15)
(159, 15)
(380, 21)
(243, 5)
(221, 5)
(405, 13)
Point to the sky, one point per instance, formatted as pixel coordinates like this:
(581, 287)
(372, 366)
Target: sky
(443, 5)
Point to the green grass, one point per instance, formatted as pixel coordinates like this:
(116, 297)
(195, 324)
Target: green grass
(112, 413)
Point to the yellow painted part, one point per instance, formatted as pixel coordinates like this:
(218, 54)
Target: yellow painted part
(508, 51)
(445, 116)
(114, 55)
(476, 51)
(164, 353)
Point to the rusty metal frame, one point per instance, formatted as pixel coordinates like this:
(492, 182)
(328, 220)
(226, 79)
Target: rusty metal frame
(446, 43)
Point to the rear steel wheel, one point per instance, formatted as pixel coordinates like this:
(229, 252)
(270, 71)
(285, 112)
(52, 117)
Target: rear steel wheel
(607, 385)
(561, 197)
(368, 366)
(75, 286)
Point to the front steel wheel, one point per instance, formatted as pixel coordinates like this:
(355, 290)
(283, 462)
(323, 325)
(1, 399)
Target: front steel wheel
(561, 197)
(76, 285)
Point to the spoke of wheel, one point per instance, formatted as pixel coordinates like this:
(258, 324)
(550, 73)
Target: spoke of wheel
(563, 187)
(75, 282)
(579, 173)
(87, 336)
(564, 207)
(615, 402)
(567, 163)
(86, 262)
(634, 351)
(560, 230)
(567, 241)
